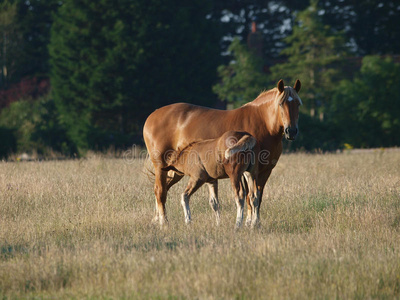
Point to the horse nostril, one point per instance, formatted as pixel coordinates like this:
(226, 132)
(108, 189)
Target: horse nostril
(287, 130)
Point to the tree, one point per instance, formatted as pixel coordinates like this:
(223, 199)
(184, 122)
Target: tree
(243, 78)
(273, 18)
(366, 110)
(10, 41)
(113, 62)
(33, 126)
(371, 26)
(34, 19)
(24, 37)
(314, 56)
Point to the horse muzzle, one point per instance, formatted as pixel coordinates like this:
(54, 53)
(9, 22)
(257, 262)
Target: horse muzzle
(291, 133)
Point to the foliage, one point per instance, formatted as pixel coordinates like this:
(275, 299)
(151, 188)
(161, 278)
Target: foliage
(8, 143)
(314, 55)
(272, 17)
(114, 62)
(371, 27)
(366, 109)
(34, 19)
(35, 127)
(24, 37)
(10, 40)
(243, 78)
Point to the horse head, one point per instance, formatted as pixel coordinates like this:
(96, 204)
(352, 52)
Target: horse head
(289, 104)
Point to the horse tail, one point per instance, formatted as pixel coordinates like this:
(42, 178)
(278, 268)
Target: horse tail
(148, 169)
(247, 142)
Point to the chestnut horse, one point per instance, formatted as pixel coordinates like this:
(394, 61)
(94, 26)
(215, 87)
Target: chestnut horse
(232, 155)
(271, 115)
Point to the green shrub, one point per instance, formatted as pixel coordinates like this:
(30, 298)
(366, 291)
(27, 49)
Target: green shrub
(35, 127)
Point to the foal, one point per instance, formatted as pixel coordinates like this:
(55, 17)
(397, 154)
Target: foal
(232, 155)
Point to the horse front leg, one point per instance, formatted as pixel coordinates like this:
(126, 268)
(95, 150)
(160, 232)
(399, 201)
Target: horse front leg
(252, 199)
(245, 179)
(260, 184)
(213, 200)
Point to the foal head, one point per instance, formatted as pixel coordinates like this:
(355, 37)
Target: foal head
(289, 103)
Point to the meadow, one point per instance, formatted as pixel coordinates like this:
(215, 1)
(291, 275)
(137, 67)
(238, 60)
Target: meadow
(81, 229)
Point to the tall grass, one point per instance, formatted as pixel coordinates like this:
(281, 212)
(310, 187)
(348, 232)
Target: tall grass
(330, 228)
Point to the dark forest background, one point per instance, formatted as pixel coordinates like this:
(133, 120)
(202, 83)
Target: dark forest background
(79, 75)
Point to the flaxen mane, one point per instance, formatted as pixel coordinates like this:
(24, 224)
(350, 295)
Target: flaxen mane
(179, 152)
(261, 97)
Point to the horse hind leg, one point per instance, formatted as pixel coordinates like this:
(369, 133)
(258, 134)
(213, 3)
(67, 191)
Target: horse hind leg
(239, 200)
(213, 200)
(160, 191)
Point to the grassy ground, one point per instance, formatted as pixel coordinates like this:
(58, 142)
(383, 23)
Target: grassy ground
(330, 228)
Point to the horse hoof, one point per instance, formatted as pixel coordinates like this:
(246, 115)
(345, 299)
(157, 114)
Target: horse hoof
(238, 225)
(255, 225)
(154, 220)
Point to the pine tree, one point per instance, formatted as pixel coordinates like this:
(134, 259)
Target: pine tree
(10, 42)
(314, 55)
(113, 62)
(243, 78)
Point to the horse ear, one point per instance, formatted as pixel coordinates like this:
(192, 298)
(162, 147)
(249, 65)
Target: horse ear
(297, 85)
(281, 86)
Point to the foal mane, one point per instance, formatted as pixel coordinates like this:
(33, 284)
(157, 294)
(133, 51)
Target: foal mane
(179, 152)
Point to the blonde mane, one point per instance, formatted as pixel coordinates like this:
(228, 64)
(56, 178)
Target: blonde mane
(271, 94)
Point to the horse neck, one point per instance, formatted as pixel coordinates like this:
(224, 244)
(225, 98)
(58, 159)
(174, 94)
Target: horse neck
(266, 107)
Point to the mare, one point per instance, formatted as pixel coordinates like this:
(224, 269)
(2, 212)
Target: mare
(232, 155)
(271, 115)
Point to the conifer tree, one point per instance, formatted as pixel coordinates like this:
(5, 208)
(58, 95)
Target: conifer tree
(314, 55)
(243, 78)
(113, 62)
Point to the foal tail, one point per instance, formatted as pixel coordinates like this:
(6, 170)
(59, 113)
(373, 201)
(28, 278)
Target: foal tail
(247, 142)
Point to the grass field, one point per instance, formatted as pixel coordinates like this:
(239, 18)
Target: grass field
(330, 228)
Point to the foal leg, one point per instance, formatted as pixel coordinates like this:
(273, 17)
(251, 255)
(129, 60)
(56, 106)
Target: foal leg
(192, 186)
(213, 200)
(174, 178)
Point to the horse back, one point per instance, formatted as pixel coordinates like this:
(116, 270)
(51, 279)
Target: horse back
(176, 125)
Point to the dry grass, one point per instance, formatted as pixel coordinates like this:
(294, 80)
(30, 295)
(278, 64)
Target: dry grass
(330, 228)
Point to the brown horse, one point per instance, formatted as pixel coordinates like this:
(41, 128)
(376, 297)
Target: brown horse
(232, 155)
(271, 115)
